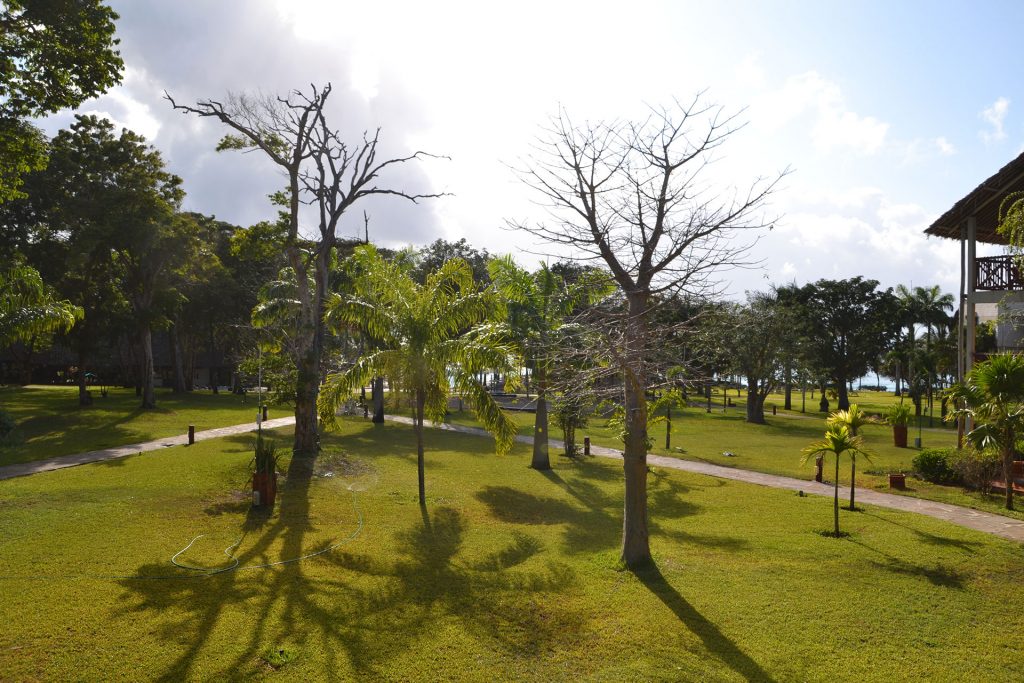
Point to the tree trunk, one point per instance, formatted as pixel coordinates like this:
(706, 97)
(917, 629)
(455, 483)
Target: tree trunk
(853, 479)
(844, 397)
(418, 426)
(788, 401)
(636, 549)
(307, 438)
(541, 461)
(1008, 474)
(146, 368)
(377, 396)
(755, 403)
(178, 385)
(835, 505)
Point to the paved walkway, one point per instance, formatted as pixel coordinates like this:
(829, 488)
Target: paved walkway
(62, 461)
(972, 519)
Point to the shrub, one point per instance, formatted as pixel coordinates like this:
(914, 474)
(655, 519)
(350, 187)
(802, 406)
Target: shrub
(977, 469)
(933, 464)
(898, 414)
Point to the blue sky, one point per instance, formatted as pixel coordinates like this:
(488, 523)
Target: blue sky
(887, 112)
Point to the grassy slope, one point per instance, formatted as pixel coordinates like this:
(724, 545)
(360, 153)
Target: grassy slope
(510, 576)
(51, 423)
(775, 448)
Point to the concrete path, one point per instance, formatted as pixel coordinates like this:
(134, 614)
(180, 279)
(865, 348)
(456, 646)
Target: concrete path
(966, 517)
(972, 519)
(60, 462)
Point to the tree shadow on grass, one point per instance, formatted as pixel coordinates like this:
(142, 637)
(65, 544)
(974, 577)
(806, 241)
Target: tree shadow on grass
(930, 538)
(938, 575)
(493, 598)
(593, 516)
(190, 606)
(717, 643)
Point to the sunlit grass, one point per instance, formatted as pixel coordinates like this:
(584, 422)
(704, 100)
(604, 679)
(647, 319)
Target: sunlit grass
(50, 422)
(775, 448)
(509, 574)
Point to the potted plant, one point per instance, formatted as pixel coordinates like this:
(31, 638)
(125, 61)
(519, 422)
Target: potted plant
(898, 416)
(264, 479)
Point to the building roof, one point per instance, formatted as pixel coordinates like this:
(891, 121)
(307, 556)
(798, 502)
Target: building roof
(982, 203)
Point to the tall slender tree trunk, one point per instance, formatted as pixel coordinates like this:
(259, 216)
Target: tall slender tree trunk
(853, 479)
(214, 374)
(146, 367)
(377, 395)
(417, 423)
(788, 400)
(1008, 474)
(178, 386)
(636, 549)
(835, 504)
(541, 461)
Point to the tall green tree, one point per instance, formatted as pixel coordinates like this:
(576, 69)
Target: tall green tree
(539, 305)
(107, 233)
(992, 396)
(846, 325)
(431, 339)
(29, 309)
(53, 55)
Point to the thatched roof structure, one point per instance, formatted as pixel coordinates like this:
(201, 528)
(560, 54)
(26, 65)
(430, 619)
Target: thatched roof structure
(982, 203)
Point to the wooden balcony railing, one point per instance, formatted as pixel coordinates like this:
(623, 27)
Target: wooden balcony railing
(997, 274)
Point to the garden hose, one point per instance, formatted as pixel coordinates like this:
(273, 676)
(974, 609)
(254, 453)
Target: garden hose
(205, 572)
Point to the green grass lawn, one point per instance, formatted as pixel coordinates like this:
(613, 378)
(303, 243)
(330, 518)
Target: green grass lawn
(509, 574)
(775, 448)
(50, 422)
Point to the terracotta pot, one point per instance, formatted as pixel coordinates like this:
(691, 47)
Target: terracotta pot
(266, 485)
(898, 481)
(899, 436)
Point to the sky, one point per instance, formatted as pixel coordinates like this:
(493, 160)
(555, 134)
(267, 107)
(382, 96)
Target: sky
(885, 113)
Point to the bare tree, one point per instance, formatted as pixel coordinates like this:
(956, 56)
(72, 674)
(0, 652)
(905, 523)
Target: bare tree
(323, 171)
(636, 196)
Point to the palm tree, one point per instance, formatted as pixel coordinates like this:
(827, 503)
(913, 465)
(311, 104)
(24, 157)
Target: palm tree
(28, 308)
(539, 305)
(992, 396)
(432, 338)
(853, 419)
(837, 441)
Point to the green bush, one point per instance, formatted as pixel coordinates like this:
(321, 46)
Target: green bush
(977, 469)
(932, 464)
(898, 414)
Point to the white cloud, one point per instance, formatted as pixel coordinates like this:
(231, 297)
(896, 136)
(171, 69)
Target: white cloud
(750, 73)
(994, 116)
(944, 146)
(834, 127)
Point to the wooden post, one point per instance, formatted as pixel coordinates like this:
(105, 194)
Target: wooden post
(775, 410)
(264, 413)
(586, 445)
(191, 434)
(668, 427)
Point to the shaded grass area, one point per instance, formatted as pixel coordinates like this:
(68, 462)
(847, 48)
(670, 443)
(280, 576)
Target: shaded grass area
(775, 448)
(507, 574)
(51, 423)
